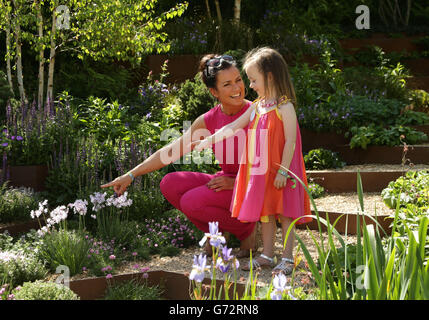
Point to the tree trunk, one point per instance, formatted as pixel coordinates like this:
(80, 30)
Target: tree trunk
(50, 89)
(219, 15)
(41, 56)
(19, 74)
(209, 14)
(8, 52)
(237, 11)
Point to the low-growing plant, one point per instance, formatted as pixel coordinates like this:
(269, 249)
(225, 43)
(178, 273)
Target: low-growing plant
(410, 117)
(411, 188)
(316, 190)
(320, 159)
(396, 135)
(17, 267)
(390, 270)
(15, 203)
(40, 290)
(65, 248)
(167, 234)
(135, 289)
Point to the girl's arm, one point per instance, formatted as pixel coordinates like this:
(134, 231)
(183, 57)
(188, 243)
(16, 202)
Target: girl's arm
(287, 112)
(226, 131)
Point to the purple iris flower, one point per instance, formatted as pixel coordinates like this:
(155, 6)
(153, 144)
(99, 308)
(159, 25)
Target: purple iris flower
(199, 268)
(280, 287)
(19, 138)
(224, 263)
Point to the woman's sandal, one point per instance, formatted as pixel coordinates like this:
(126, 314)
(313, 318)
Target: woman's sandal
(258, 264)
(285, 266)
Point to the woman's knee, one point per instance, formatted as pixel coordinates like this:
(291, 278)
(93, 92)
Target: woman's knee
(190, 203)
(169, 183)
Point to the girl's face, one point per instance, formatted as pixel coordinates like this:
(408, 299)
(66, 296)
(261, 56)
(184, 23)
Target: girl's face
(229, 87)
(256, 80)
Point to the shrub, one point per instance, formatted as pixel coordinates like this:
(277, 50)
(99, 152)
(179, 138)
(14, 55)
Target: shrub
(195, 98)
(320, 159)
(40, 290)
(17, 267)
(16, 203)
(391, 136)
(412, 188)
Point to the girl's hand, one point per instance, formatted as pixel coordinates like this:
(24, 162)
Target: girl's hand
(221, 183)
(120, 184)
(200, 145)
(280, 181)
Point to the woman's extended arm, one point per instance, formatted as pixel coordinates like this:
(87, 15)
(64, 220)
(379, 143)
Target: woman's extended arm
(226, 131)
(161, 158)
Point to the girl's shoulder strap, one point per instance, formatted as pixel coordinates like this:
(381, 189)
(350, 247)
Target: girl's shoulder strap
(283, 100)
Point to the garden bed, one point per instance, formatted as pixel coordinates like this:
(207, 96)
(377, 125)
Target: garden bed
(15, 228)
(172, 272)
(375, 177)
(417, 154)
(174, 285)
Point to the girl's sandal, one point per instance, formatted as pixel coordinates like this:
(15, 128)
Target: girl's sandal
(285, 266)
(258, 264)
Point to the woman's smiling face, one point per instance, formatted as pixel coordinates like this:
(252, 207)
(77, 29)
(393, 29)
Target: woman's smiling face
(229, 87)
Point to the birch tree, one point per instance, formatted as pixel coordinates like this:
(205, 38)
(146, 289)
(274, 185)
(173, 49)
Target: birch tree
(106, 30)
(5, 10)
(237, 11)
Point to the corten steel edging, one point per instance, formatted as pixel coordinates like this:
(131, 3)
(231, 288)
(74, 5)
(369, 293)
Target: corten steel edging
(417, 154)
(22, 227)
(315, 140)
(33, 176)
(339, 181)
(351, 220)
(175, 285)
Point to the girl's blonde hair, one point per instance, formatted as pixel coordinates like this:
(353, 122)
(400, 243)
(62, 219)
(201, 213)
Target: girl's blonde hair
(268, 60)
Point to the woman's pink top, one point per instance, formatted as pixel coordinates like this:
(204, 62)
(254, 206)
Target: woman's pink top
(227, 152)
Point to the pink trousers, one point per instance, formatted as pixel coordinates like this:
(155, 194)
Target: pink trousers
(187, 192)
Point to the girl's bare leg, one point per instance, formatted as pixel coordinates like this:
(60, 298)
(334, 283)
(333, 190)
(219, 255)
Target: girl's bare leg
(290, 244)
(268, 230)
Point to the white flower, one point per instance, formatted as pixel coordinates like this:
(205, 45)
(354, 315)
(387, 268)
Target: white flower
(59, 214)
(119, 202)
(98, 200)
(79, 207)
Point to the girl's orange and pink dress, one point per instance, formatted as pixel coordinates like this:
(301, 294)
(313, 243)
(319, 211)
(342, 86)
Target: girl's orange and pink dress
(255, 197)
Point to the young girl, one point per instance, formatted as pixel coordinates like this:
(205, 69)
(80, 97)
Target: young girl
(263, 190)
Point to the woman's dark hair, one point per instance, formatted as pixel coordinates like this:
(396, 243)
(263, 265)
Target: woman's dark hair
(211, 64)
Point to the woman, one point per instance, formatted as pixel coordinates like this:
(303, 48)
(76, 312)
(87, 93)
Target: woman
(202, 197)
